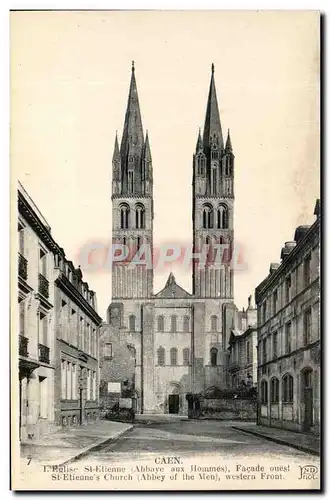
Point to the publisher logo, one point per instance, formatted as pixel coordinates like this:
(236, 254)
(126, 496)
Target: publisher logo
(309, 472)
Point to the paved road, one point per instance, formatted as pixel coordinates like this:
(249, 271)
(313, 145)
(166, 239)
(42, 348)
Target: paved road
(189, 438)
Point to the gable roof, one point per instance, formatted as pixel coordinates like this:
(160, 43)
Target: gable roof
(172, 290)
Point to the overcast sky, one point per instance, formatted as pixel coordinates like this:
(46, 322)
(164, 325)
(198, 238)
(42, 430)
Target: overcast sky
(70, 74)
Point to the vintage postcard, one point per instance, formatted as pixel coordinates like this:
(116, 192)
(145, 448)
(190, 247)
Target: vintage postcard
(165, 250)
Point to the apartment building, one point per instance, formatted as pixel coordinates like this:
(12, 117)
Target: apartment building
(58, 351)
(288, 304)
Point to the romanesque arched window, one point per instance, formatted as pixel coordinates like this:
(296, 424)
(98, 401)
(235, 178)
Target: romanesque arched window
(287, 388)
(161, 356)
(214, 356)
(124, 216)
(274, 390)
(174, 356)
(222, 217)
(186, 324)
(214, 323)
(160, 323)
(264, 391)
(139, 216)
(186, 356)
(131, 323)
(173, 323)
(207, 217)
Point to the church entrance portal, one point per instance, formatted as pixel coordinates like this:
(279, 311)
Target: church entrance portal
(173, 403)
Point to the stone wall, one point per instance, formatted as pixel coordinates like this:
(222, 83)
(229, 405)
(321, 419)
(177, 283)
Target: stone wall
(229, 409)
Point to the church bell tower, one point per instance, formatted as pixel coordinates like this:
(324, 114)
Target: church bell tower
(132, 205)
(213, 206)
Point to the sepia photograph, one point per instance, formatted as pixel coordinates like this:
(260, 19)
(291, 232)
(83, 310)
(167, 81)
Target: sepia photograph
(165, 250)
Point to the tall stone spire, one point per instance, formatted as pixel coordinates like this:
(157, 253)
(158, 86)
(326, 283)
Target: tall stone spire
(212, 127)
(132, 140)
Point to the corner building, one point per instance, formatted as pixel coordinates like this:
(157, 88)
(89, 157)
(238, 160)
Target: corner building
(58, 331)
(179, 338)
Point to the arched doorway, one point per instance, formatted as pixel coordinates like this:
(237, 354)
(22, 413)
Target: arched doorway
(306, 377)
(174, 398)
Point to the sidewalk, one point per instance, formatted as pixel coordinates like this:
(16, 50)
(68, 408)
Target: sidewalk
(309, 443)
(66, 444)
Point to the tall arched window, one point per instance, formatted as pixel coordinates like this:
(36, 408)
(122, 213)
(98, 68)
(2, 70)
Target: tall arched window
(186, 324)
(186, 356)
(160, 323)
(139, 217)
(214, 323)
(207, 217)
(174, 356)
(173, 323)
(222, 217)
(264, 391)
(274, 390)
(131, 323)
(130, 182)
(214, 178)
(124, 216)
(287, 388)
(200, 164)
(214, 356)
(161, 356)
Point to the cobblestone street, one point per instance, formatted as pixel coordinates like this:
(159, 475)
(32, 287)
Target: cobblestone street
(187, 438)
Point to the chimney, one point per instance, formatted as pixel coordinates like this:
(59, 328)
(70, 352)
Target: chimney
(273, 266)
(300, 232)
(287, 249)
(317, 209)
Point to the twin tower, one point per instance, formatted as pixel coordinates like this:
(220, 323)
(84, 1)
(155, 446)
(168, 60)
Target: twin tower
(212, 200)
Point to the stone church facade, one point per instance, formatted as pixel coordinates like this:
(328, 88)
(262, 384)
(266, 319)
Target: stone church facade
(178, 339)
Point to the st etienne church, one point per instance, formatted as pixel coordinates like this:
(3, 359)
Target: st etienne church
(165, 344)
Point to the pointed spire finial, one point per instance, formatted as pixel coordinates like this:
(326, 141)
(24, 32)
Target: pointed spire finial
(133, 68)
(146, 150)
(212, 127)
(199, 145)
(116, 153)
(228, 142)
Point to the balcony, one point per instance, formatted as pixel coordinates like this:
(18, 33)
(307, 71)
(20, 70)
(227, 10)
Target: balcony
(23, 346)
(43, 286)
(43, 353)
(22, 267)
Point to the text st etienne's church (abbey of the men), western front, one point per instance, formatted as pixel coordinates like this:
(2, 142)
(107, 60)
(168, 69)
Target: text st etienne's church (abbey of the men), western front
(172, 342)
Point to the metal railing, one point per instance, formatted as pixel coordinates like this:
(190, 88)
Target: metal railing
(22, 266)
(43, 353)
(23, 346)
(43, 286)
